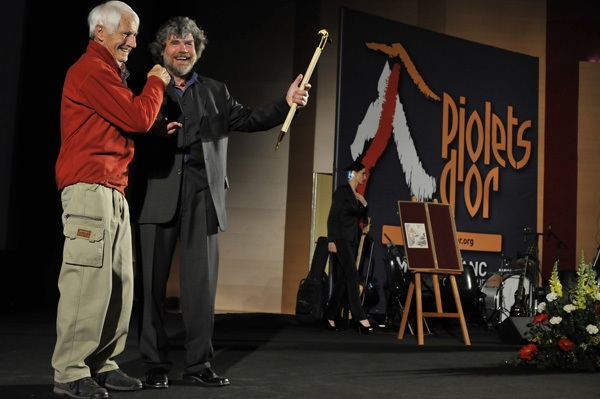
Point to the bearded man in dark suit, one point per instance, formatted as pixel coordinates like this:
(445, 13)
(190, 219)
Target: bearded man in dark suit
(179, 193)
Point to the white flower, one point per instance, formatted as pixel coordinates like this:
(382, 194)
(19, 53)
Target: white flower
(597, 296)
(541, 307)
(569, 308)
(551, 296)
(555, 320)
(591, 329)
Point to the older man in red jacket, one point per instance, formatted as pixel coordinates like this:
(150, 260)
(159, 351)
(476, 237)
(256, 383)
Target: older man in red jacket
(98, 111)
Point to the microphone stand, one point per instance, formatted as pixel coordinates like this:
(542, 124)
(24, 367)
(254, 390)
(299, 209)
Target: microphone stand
(596, 266)
(559, 243)
(535, 285)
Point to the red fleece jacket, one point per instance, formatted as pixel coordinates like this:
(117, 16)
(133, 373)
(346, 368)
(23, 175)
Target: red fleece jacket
(97, 113)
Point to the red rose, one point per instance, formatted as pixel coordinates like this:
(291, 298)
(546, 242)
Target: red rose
(528, 352)
(565, 344)
(598, 309)
(540, 318)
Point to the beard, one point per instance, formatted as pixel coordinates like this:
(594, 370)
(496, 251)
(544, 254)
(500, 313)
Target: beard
(180, 70)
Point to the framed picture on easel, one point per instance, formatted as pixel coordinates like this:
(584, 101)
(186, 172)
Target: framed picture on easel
(430, 239)
(431, 246)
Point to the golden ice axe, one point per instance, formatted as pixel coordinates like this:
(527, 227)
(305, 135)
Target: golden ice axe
(288, 120)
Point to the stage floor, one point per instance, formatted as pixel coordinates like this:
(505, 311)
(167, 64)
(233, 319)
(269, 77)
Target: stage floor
(268, 356)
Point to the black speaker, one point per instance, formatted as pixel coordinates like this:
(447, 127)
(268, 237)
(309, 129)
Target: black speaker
(513, 329)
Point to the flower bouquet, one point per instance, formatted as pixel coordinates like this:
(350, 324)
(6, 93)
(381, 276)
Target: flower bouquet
(564, 334)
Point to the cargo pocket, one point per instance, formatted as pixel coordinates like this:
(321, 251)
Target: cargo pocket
(84, 242)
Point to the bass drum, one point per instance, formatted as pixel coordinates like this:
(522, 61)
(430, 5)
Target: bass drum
(499, 293)
(491, 289)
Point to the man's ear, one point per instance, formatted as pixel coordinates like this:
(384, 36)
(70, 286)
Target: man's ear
(99, 32)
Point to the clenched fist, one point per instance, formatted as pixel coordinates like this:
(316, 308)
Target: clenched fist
(161, 72)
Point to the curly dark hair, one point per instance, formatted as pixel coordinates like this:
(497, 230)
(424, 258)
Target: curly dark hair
(178, 27)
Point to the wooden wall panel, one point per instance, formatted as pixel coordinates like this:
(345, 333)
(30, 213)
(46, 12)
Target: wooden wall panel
(588, 163)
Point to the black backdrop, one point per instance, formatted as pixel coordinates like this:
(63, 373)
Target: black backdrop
(41, 40)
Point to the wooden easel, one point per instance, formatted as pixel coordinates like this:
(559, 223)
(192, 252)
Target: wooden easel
(436, 243)
(415, 286)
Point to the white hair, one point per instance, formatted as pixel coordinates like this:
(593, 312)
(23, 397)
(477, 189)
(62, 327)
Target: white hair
(109, 15)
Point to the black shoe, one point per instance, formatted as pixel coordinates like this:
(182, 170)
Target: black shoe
(84, 388)
(156, 378)
(117, 380)
(329, 327)
(206, 378)
(365, 330)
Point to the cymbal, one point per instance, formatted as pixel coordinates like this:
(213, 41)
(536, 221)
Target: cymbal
(513, 264)
(520, 263)
(508, 272)
(523, 261)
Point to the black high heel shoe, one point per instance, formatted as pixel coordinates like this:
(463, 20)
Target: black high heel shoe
(329, 327)
(365, 330)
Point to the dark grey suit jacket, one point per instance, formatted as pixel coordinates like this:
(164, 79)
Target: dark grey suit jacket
(157, 170)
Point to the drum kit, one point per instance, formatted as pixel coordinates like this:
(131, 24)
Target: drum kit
(500, 288)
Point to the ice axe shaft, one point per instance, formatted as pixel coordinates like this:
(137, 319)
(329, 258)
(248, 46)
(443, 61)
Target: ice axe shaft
(313, 62)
